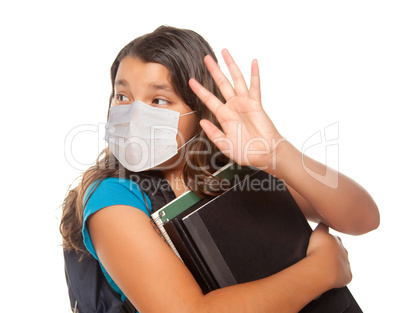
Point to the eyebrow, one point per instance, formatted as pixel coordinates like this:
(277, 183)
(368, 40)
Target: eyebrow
(124, 83)
(121, 82)
(161, 87)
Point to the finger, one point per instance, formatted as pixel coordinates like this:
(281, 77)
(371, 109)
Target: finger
(205, 96)
(238, 79)
(220, 79)
(213, 133)
(255, 88)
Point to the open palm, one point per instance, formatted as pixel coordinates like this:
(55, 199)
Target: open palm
(249, 137)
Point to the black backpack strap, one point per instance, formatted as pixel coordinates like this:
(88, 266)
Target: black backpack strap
(156, 187)
(146, 202)
(127, 307)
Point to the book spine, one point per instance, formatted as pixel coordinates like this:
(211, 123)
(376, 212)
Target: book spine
(209, 251)
(191, 256)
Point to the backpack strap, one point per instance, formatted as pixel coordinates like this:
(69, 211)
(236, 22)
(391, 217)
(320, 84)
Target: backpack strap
(127, 307)
(146, 202)
(156, 187)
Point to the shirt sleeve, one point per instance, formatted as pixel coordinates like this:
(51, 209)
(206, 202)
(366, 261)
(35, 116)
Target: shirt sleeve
(111, 191)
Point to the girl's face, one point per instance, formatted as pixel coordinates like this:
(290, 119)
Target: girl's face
(150, 83)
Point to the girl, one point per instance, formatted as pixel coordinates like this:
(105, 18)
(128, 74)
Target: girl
(187, 120)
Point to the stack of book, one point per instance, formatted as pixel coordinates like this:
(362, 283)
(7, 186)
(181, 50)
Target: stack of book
(252, 230)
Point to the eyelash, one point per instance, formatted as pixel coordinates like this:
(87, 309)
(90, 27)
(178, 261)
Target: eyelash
(158, 99)
(120, 97)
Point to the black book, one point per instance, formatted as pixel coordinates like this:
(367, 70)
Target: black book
(251, 231)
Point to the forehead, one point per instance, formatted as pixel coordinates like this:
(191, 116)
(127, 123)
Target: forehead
(134, 71)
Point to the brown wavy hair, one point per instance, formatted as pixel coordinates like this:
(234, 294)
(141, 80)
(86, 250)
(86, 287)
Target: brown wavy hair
(182, 52)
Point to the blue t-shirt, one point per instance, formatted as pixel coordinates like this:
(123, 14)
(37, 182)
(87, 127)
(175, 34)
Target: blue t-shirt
(111, 191)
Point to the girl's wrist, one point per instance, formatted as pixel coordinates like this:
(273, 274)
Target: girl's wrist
(324, 278)
(280, 158)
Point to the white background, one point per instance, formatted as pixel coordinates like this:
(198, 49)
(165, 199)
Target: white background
(322, 62)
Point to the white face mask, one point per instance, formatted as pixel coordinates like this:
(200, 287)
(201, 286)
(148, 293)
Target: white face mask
(141, 136)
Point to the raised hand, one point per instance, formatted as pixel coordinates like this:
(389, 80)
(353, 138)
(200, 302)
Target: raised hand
(249, 137)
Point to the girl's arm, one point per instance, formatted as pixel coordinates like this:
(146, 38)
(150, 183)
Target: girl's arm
(155, 280)
(328, 196)
(250, 138)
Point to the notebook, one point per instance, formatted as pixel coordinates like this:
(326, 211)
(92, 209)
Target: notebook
(252, 230)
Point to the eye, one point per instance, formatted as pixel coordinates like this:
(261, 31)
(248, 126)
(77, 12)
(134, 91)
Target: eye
(160, 102)
(121, 97)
